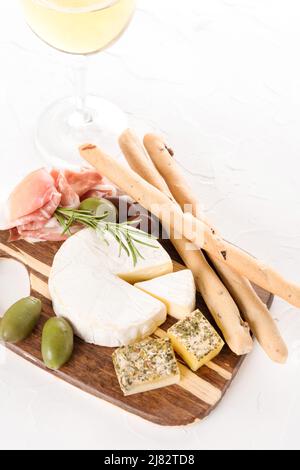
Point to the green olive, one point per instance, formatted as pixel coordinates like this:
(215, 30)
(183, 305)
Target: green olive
(20, 319)
(100, 207)
(108, 208)
(90, 204)
(57, 343)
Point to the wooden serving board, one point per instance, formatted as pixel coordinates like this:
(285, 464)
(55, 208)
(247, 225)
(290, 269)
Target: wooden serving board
(91, 368)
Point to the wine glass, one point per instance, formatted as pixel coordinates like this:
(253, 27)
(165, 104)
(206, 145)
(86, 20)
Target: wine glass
(80, 27)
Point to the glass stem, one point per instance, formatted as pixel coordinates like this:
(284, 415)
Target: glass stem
(80, 71)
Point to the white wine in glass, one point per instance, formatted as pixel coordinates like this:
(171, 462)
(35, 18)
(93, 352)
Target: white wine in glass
(78, 27)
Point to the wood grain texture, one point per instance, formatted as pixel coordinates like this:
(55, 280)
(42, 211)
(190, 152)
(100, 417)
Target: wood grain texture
(91, 368)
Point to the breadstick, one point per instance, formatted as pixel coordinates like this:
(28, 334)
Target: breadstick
(215, 294)
(256, 271)
(141, 163)
(255, 312)
(252, 308)
(186, 225)
(160, 155)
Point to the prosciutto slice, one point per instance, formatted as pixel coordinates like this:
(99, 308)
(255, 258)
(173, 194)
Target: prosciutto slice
(34, 200)
(83, 181)
(102, 191)
(29, 212)
(69, 198)
(73, 186)
(51, 231)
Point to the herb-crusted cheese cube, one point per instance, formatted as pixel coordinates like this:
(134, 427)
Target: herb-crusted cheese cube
(146, 365)
(195, 340)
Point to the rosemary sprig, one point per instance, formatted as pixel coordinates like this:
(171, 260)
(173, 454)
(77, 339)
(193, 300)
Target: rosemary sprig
(128, 237)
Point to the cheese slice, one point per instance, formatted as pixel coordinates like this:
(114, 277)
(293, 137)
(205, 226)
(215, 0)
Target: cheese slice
(195, 340)
(87, 287)
(145, 366)
(176, 290)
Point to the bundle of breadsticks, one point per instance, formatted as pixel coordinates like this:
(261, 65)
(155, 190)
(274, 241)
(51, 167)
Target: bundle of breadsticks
(154, 180)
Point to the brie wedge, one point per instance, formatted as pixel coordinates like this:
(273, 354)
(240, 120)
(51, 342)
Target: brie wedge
(87, 287)
(176, 290)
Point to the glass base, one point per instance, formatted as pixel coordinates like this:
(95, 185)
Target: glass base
(62, 129)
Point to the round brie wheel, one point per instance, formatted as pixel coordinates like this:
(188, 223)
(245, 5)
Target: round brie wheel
(91, 285)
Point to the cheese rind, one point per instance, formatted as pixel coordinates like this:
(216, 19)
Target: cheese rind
(145, 366)
(103, 309)
(176, 290)
(195, 340)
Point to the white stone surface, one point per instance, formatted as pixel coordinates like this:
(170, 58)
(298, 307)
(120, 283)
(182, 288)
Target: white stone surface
(222, 80)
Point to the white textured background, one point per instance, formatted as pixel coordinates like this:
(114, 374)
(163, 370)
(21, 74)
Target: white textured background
(222, 80)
